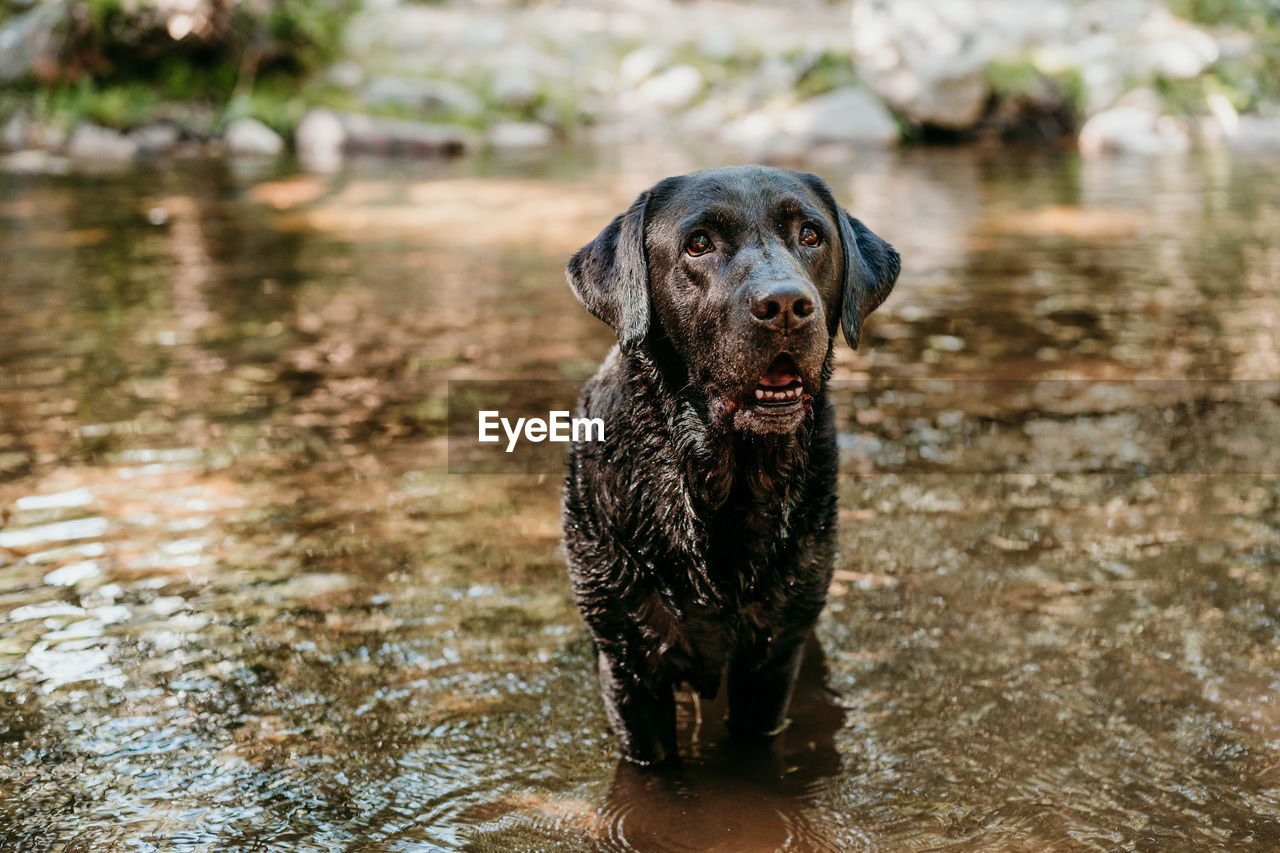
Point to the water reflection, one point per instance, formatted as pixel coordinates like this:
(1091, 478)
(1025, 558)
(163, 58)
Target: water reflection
(243, 606)
(733, 794)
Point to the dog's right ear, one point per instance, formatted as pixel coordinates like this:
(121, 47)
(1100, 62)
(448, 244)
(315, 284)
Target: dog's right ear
(610, 275)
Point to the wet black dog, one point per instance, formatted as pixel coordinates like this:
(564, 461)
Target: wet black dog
(701, 532)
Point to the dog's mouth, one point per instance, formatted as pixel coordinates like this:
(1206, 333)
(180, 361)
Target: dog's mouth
(780, 387)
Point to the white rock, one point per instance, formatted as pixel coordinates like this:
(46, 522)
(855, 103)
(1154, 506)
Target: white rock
(519, 134)
(156, 138)
(1224, 116)
(30, 41)
(73, 573)
(776, 76)
(1255, 133)
(17, 132)
(1142, 98)
(755, 130)
(1103, 84)
(514, 88)
(850, 115)
(486, 32)
(706, 120)
(1173, 47)
(425, 95)
(399, 137)
(251, 137)
(305, 586)
(1133, 130)
(92, 143)
(674, 88)
(320, 138)
(643, 62)
(34, 163)
(45, 610)
(954, 101)
(929, 60)
(49, 136)
(323, 137)
(717, 45)
(346, 73)
(760, 137)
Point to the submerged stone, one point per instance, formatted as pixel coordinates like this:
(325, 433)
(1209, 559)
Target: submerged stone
(252, 137)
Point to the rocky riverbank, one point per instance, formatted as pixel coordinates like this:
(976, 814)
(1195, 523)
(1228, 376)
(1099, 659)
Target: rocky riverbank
(771, 81)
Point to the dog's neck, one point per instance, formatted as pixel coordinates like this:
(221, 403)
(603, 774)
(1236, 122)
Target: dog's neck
(752, 474)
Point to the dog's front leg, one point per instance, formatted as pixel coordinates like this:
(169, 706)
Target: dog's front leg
(760, 687)
(643, 716)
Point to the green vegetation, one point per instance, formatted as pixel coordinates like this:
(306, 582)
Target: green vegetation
(122, 64)
(1010, 78)
(114, 40)
(1021, 78)
(827, 71)
(1030, 103)
(110, 105)
(1237, 13)
(279, 102)
(1253, 76)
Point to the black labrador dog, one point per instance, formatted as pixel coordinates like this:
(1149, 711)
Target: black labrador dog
(700, 533)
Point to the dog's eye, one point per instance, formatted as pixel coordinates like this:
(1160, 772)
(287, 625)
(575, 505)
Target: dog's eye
(699, 244)
(810, 236)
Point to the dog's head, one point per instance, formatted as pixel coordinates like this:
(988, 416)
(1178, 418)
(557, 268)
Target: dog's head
(743, 274)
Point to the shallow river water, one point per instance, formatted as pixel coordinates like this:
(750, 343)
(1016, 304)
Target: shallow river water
(244, 606)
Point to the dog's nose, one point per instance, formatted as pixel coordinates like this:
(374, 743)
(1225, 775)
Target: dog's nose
(782, 306)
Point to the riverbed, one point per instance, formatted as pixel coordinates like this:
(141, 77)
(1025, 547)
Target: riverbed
(245, 606)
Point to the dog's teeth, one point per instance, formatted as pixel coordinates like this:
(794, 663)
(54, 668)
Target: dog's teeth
(792, 393)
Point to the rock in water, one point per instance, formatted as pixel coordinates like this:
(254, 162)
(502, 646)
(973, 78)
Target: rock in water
(92, 143)
(252, 137)
(29, 43)
(520, 134)
(674, 88)
(851, 115)
(928, 60)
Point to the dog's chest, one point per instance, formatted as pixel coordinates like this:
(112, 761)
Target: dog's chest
(699, 646)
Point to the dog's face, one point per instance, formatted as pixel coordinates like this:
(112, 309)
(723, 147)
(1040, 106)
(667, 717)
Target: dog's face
(744, 274)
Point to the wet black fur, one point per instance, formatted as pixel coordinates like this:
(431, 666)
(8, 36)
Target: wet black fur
(701, 533)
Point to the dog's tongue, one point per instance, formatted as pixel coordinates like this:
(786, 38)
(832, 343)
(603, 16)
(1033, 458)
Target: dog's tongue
(778, 380)
(780, 374)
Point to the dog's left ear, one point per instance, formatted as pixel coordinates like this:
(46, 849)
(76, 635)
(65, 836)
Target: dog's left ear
(610, 275)
(870, 266)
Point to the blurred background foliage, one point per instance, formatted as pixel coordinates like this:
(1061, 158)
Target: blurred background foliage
(730, 72)
(1255, 75)
(121, 63)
